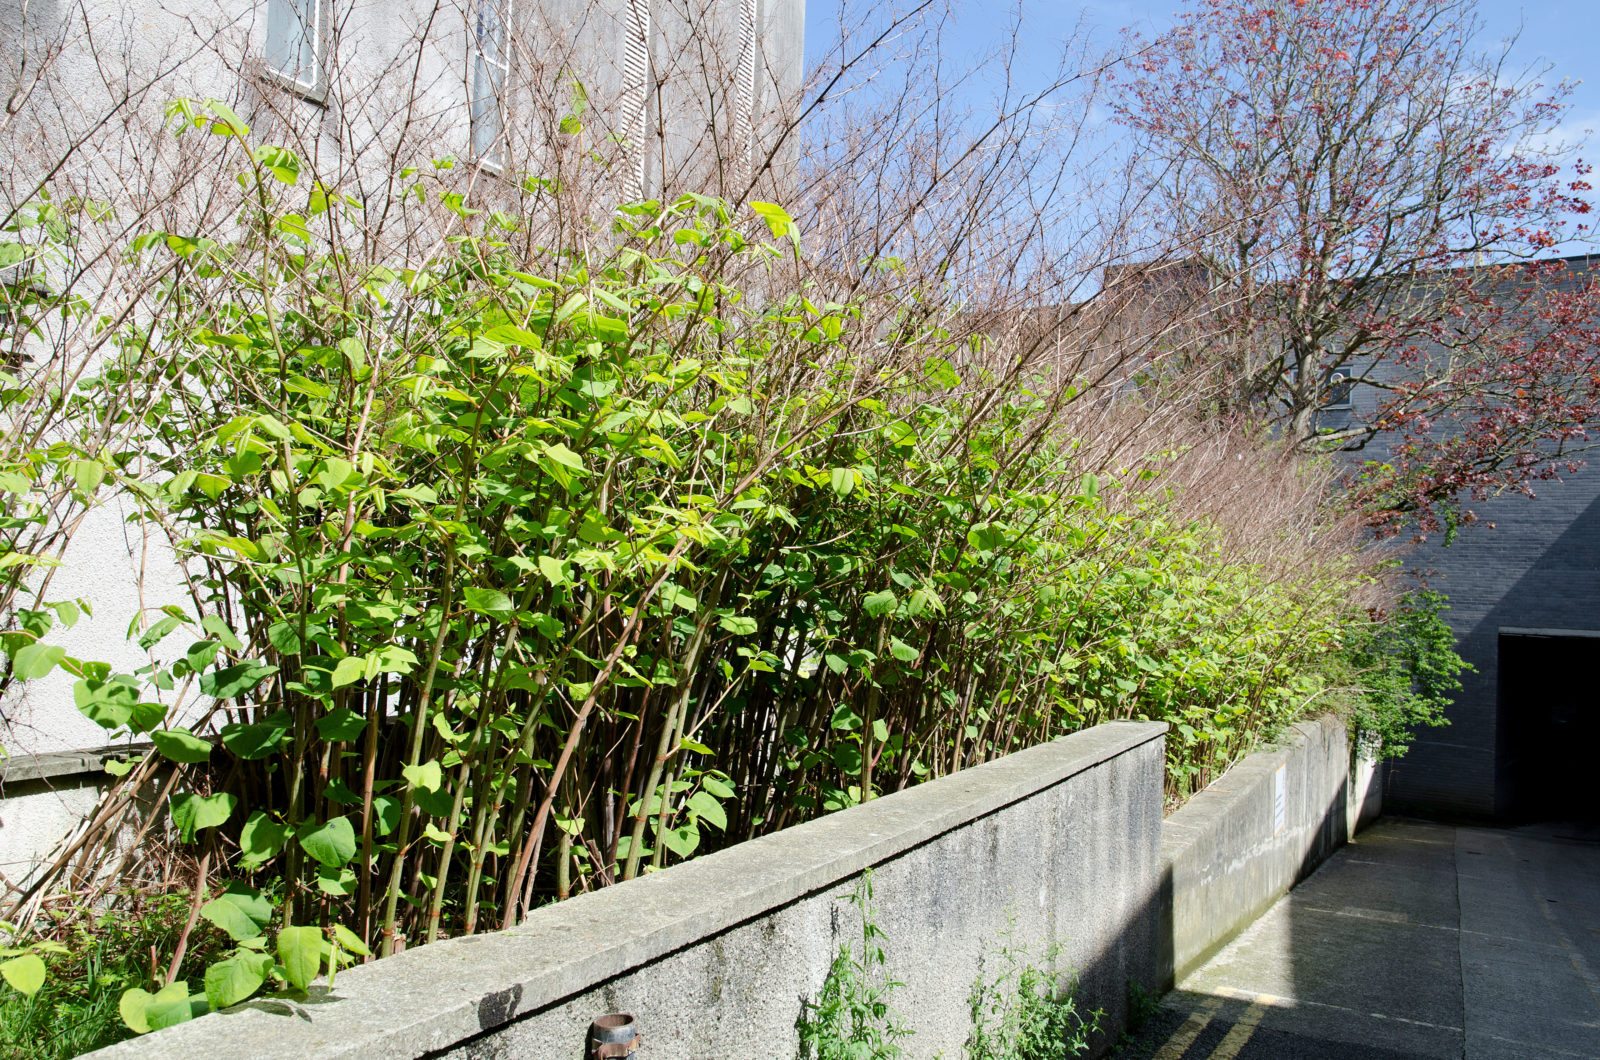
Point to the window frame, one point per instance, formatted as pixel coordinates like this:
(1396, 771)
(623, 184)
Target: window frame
(1341, 391)
(637, 64)
(320, 35)
(492, 159)
(747, 91)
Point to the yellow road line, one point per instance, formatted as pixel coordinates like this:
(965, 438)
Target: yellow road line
(1241, 1032)
(1188, 1031)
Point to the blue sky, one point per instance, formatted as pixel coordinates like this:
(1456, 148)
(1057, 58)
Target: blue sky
(1558, 33)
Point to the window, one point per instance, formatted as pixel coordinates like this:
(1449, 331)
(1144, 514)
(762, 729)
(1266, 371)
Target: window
(491, 67)
(1339, 388)
(297, 36)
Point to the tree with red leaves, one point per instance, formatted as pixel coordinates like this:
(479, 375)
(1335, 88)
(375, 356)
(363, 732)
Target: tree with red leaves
(1366, 191)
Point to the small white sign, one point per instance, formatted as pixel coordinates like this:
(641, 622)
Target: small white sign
(1280, 799)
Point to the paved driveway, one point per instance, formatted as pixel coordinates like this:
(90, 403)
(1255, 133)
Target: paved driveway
(1417, 940)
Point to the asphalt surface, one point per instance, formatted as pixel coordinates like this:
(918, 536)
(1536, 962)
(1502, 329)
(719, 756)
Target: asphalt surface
(1418, 940)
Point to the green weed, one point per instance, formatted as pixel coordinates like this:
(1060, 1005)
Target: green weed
(851, 1017)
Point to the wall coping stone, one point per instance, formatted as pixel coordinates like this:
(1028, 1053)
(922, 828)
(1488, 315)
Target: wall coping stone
(433, 997)
(50, 765)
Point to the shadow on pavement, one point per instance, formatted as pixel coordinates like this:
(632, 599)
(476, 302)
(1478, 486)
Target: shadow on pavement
(1417, 940)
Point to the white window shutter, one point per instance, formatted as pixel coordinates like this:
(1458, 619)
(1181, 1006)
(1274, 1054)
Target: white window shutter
(745, 94)
(636, 93)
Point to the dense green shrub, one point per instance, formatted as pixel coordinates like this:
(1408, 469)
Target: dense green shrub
(1399, 670)
(522, 570)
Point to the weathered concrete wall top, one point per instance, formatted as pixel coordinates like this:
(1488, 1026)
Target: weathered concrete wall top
(1053, 847)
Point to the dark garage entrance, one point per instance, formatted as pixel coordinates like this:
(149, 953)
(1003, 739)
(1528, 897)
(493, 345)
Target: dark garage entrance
(1549, 725)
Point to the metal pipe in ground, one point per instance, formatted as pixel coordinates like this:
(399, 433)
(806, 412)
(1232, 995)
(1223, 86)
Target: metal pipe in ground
(613, 1037)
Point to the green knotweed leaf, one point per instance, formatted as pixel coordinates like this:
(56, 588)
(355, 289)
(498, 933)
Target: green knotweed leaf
(779, 223)
(879, 604)
(201, 654)
(236, 680)
(340, 883)
(332, 843)
(159, 631)
(258, 739)
(386, 813)
(231, 919)
(350, 669)
(679, 597)
(682, 840)
(119, 767)
(843, 480)
(86, 475)
(193, 813)
(172, 1005)
(845, 718)
(704, 806)
(108, 703)
(35, 660)
(427, 776)
(348, 940)
(231, 981)
(300, 953)
(25, 973)
(146, 716)
(214, 625)
(335, 472)
(132, 1006)
(491, 602)
(717, 786)
(554, 571)
(181, 745)
(902, 651)
(284, 637)
(738, 625)
(283, 165)
(341, 723)
(239, 911)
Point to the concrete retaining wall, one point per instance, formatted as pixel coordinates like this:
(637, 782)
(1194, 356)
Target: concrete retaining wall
(44, 798)
(1059, 844)
(1240, 844)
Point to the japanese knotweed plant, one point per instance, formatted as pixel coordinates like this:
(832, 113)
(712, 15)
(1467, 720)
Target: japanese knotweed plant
(519, 570)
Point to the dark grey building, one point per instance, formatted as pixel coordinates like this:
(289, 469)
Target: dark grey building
(1524, 589)
(1525, 605)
